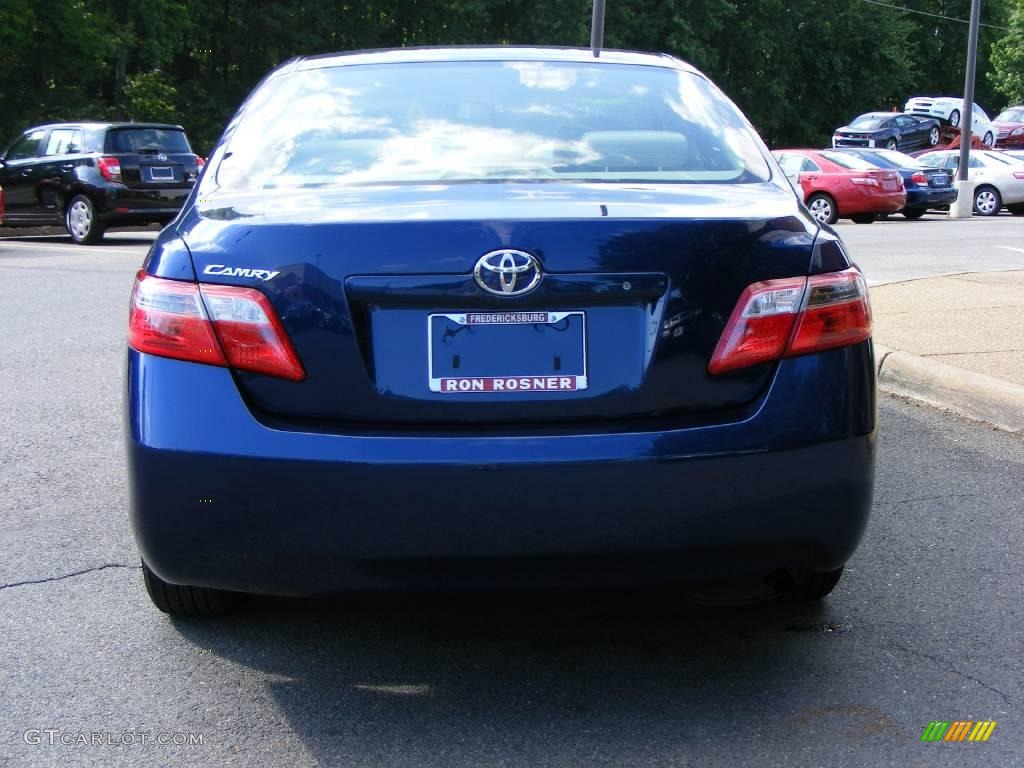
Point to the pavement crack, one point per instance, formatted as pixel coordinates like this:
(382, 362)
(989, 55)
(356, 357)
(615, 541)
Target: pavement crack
(949, 666)
(67, 575)
(926, 498)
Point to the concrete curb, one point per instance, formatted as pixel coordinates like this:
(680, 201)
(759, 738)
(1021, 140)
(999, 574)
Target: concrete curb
(974, 395)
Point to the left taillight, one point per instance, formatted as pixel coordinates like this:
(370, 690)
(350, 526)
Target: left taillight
(794, 316)
(110, 168)
(221, 325)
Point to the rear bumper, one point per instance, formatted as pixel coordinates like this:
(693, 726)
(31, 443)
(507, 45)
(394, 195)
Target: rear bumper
(123, 205)
(864, 201)
(219, 499)
(921, 198)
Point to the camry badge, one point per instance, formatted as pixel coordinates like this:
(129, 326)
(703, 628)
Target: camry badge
(507, 272)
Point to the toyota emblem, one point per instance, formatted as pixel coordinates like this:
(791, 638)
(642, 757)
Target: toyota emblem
(507, 272)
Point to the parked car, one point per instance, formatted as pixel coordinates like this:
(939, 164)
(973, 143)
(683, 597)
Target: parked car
(891, 130)
(949, 109)
(837, 184)
(999, 179)
(1009, 125)
(926, 187)
(482, 316)
(95, 176)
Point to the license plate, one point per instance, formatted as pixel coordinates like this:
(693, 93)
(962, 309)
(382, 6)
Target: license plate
(161, 173)
(507, 352)
(941, 180)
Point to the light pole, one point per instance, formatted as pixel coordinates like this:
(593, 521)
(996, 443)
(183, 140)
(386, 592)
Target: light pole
(964, 206)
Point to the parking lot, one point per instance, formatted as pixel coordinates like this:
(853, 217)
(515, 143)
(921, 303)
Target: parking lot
(925, 625)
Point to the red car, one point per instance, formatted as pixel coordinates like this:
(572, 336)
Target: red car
(841, 185)
(1009, 126)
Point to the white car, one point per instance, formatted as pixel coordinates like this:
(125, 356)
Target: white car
(999, 178)
(949, 108)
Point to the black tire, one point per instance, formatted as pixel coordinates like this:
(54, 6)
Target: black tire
(81, 222)
(989, 139)
(914, 213)
(954, 118)
(892, 144)
(1017, 209)
(987, 201)
(863, 218)
(933, 136)
(823, 208)
(815, 586)
(185, 601)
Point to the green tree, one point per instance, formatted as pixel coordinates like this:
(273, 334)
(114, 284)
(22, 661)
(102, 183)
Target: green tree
(1007, 75)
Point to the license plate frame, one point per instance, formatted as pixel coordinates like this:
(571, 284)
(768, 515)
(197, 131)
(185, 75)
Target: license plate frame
(166, 173)
(523, 382)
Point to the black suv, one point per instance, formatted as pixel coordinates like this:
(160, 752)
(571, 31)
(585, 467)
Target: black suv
(92, 176)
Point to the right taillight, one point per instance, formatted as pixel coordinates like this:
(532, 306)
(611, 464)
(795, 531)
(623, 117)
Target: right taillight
(221, 325)
(919, 178)
(794, 316)
(110, 168)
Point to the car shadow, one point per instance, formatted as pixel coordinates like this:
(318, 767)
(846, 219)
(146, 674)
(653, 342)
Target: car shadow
(623, 676)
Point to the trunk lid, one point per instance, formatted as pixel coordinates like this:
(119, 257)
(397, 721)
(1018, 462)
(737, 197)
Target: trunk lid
(376, 289)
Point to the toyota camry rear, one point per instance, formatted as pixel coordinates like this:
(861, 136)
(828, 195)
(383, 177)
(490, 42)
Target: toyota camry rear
(484, 318)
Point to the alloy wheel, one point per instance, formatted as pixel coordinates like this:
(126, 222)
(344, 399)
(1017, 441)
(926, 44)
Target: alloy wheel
(933, 136)
(80, 219)
(821, 209)
(985, 202)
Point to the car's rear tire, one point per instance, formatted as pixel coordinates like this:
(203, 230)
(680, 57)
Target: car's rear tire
(914, 213)
(823, 208)
(184, 601)
(954, 118)
(987, 201)
(892, 144)
(1017, 209)
(81, 221)
(989, 139)
(933, 136)
(863, 218)
(814, 586)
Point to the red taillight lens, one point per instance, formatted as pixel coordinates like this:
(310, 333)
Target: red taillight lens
(213, 324)
(794, 316)
(760, 325)
(200, 163)
(867, 181)
(110, 168)
(919, 178)
(1018, 174)
(835, 313)
(250, 332)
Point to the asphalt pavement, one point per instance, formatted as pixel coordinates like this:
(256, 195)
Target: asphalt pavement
(895, 249)
(926, 624)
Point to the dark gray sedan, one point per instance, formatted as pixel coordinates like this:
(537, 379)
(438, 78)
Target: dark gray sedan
(888, 130)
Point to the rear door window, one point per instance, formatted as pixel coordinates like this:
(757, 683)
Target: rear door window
(146, 141)
(64, 141)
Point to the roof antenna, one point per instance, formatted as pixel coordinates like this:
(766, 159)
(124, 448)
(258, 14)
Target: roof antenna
(597, 28)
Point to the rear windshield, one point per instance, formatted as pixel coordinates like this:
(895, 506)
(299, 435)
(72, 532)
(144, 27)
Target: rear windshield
(868, 122)
(847, 160)
(473, 121)
(889, 158)
(146, 140)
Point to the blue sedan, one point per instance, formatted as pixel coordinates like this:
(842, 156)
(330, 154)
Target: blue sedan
(493, 317)
(926, 187)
